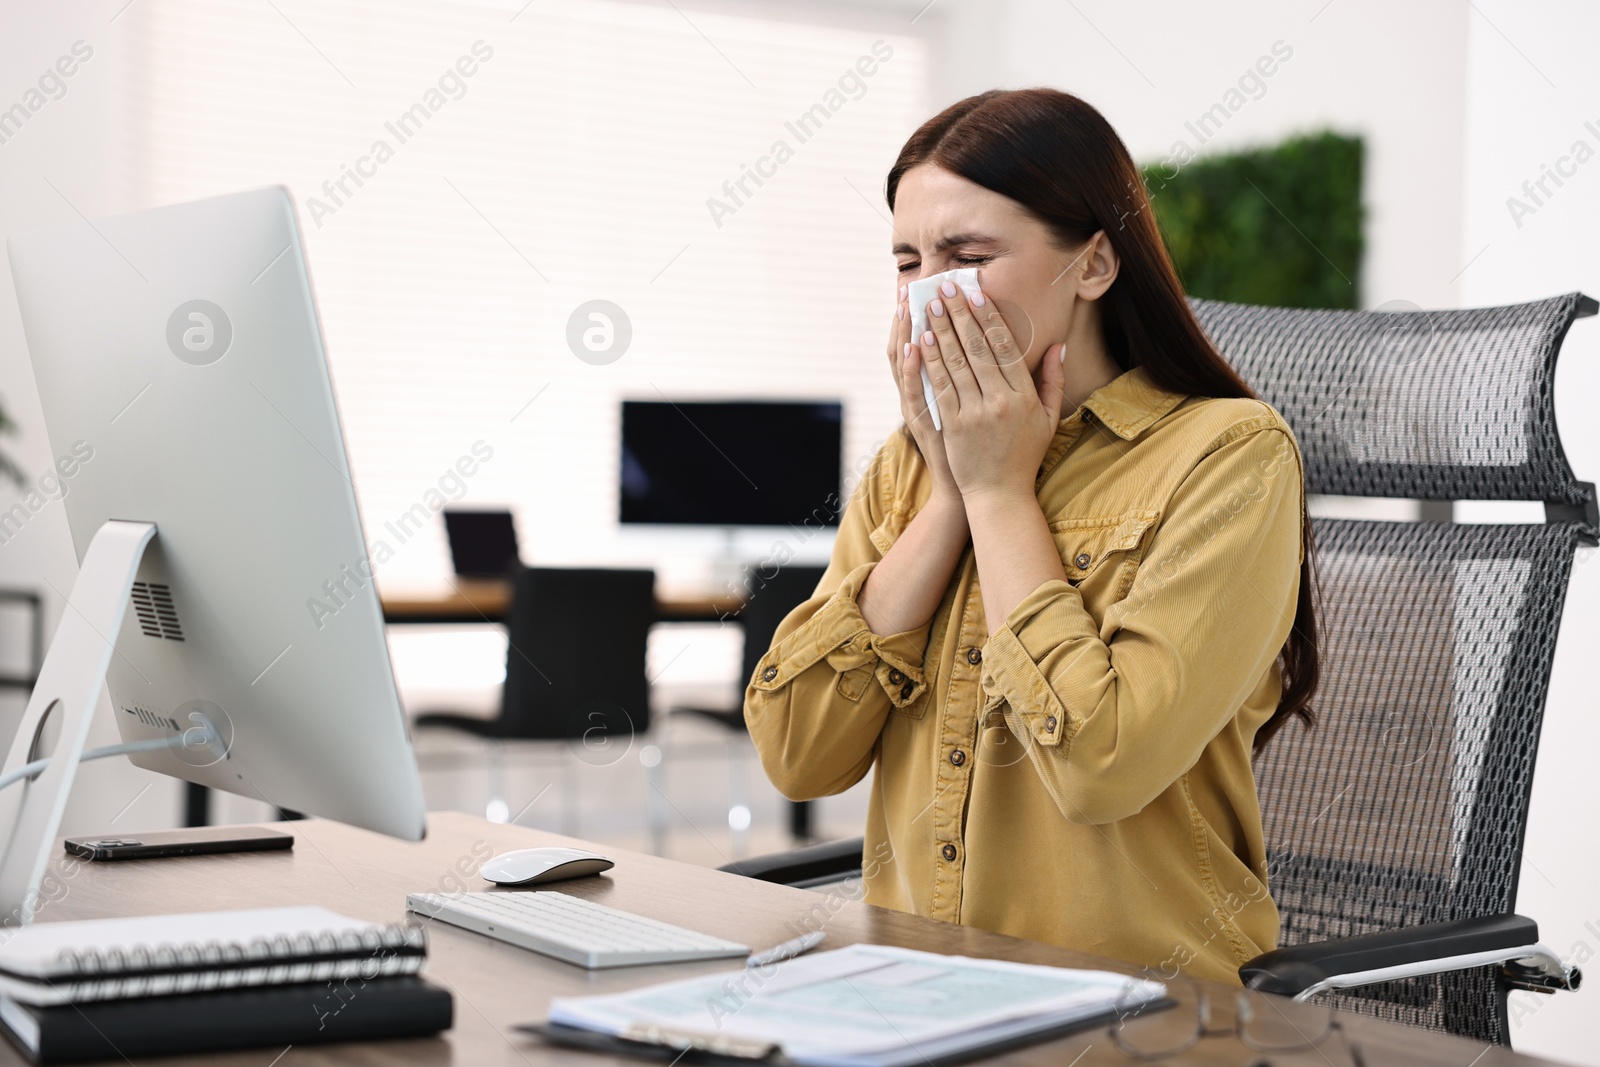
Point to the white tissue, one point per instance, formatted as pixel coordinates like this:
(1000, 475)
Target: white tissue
(918, 293)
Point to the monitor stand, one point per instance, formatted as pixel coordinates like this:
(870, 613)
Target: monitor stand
(727, 569)
(70, 681)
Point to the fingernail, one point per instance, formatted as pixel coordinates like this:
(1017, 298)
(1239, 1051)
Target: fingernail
(948, 288)
(1063, 356)
(902, 292)
(928, 339)
(977, 299)
(937, 307)
(900, 312)
(906, 352)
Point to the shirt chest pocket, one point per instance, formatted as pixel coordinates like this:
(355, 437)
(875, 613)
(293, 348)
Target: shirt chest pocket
(1102, 554)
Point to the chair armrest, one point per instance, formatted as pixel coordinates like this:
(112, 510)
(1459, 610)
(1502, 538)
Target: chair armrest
(1301, 971)
(830, 861)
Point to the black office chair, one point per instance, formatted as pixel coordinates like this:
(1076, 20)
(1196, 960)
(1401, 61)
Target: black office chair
(1395, 826)
(575, 670)
(769, 599)
(29, 675)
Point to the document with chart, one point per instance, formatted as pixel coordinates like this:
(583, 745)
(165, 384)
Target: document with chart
(862, 1006)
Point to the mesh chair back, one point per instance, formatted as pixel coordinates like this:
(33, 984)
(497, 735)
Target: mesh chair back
(1423, 405)
(575, 665)
(1407, 803)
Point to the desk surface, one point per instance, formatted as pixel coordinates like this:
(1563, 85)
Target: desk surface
(489, 601)
(497, 986)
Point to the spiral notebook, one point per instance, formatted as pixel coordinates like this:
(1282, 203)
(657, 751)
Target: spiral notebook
(157, 955)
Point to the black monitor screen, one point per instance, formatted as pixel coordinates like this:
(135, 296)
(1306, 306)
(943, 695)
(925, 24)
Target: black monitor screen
(754, 463)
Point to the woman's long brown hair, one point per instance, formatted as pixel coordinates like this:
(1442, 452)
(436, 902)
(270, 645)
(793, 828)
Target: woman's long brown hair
(1060, 159)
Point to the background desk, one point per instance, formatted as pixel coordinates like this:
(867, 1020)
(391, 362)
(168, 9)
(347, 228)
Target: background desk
(488, 601)
(478, 601)
(497, 986)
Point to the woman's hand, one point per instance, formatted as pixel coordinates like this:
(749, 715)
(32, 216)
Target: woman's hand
(906, 366)
(905, 587)
(998, 422)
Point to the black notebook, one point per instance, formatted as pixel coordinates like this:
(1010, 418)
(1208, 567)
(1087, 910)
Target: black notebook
(271, 1017)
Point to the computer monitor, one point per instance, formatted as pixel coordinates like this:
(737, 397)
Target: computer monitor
(732, 463)
(181, 372)
(483, 544)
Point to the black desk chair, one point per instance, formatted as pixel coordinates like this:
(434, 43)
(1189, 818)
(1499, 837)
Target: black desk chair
(1395, 827)
(29, 676)
(575, 671)
(769, 599)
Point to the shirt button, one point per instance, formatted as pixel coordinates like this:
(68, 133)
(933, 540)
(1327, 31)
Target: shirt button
(974, 656)
(1083, 560)
(905, 691)
(958, 757)
(769, 674)
(948, 852)
(896, 678)
(1050, 725)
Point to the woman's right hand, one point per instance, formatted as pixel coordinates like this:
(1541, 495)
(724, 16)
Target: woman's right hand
(905, 363)
(905, 588)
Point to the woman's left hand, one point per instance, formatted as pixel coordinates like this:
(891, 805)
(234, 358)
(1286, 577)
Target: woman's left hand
(998, 422)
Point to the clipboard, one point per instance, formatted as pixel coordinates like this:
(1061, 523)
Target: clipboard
(663, 1048)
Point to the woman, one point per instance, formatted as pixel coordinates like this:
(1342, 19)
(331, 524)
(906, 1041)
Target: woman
(1061, 625)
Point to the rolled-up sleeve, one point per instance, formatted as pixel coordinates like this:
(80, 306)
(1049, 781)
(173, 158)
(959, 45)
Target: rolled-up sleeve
(819, 697)
(1112, 713)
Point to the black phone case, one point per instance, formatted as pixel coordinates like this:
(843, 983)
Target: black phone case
(90, 849)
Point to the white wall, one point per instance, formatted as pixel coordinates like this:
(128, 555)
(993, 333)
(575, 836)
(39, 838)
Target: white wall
(1532, 86)
(1390, 72)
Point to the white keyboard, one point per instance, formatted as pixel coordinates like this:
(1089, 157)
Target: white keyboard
(571, 928)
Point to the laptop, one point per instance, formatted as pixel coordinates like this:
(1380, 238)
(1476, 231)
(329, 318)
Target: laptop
(483, 544)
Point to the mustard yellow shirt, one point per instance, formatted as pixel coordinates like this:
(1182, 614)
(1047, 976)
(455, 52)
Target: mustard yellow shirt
(1083, 776)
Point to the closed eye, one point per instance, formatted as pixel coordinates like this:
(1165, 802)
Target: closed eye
(965, 261)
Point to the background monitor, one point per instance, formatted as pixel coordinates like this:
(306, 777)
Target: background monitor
(483, 544)
(181, 369)
(732, 463)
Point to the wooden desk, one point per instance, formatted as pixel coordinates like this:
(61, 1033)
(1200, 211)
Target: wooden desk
(497, 986)
(489, 601)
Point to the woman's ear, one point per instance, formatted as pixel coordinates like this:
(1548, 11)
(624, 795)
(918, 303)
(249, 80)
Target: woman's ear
(1099, 267)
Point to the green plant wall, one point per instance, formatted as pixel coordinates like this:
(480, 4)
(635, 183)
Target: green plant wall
(1280, 226)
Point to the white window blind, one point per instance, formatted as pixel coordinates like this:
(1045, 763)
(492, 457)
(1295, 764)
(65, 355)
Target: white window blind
(511, 170)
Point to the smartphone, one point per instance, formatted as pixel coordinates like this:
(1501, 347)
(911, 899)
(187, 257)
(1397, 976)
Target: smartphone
(196, 841)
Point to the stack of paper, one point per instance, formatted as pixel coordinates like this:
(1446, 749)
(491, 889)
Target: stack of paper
(863, 1006)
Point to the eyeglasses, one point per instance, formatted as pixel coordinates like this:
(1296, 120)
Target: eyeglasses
(1261, 1022)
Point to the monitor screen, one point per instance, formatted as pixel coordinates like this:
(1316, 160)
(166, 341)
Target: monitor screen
(254, 608)
(727, 463)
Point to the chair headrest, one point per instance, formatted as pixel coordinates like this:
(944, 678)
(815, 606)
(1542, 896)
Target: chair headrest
(1430, 405)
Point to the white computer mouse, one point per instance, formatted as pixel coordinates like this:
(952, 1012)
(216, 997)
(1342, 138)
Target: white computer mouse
(535, 866)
